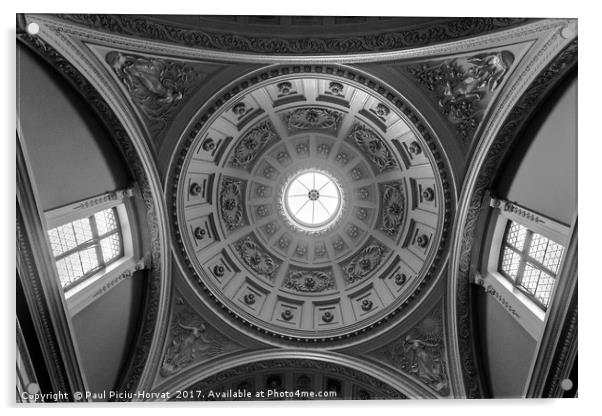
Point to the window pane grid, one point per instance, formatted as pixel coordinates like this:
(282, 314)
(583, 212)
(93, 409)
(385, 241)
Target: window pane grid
(85, 246)
(530, 261)
(511, 262)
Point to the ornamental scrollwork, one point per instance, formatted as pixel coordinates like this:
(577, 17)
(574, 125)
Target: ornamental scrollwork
(256, 258)
(393, 209)
(191, 340)
(461, 84)
(373, 146)
(155, 85)
(252, 143)
(366, 261)
(421, 353)
(313, 118)
(312, 281)
(408, 37)
(231, 206)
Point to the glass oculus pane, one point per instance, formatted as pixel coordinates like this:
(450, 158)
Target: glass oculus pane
(312, 199)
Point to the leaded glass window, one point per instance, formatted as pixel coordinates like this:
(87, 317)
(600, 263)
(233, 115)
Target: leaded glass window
(530, 261)
(84, 247)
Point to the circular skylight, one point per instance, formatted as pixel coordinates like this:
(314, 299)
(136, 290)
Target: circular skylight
(312, 199)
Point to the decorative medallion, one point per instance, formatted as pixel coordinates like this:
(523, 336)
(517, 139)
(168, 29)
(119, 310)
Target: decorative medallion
(376, 149)
(366, 261)
(256, 258)
(311, 281)
(393, 208)
(312, 118)
(252, 144)
(231, 204)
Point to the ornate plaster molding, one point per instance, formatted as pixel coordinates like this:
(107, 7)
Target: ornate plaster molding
(161, 46)
(421, 35)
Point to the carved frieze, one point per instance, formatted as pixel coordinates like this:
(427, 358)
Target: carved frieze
(393, 208)
(313, 118)
(373, 147)
(191, 340)
(364, 262)
(252, 144)
(231, 203)
(415, 36)
(256, 258)
(312, 281)
(461, 85)
(156, 85)
(420, 353)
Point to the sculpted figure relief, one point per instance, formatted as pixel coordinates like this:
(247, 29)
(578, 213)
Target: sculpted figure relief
(154, 84)
(461, 85)
(190, 341)
(485, 74)
(424, 363)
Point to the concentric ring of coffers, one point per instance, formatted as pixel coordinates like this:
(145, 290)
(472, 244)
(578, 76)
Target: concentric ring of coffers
(279, 270)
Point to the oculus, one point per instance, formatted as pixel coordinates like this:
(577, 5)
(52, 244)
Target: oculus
(312, 200)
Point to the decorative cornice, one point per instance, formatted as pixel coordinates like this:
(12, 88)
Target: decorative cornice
(156, 283)
(521, 112)
(517, 209)
(421, 35)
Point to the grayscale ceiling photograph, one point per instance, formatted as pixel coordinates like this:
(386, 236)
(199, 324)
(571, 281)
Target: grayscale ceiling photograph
(286, 207)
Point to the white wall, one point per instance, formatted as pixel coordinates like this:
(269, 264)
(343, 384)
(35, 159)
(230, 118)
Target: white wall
(546, 179)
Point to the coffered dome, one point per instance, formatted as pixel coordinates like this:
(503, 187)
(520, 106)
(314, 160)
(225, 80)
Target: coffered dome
(310, 206)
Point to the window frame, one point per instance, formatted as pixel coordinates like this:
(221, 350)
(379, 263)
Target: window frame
(523, 308)
(93, 242)
(92, 286)
(525, 258)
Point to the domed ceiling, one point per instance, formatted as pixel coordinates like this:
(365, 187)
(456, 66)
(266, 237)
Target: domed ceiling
(310, 206)
(309, 203)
